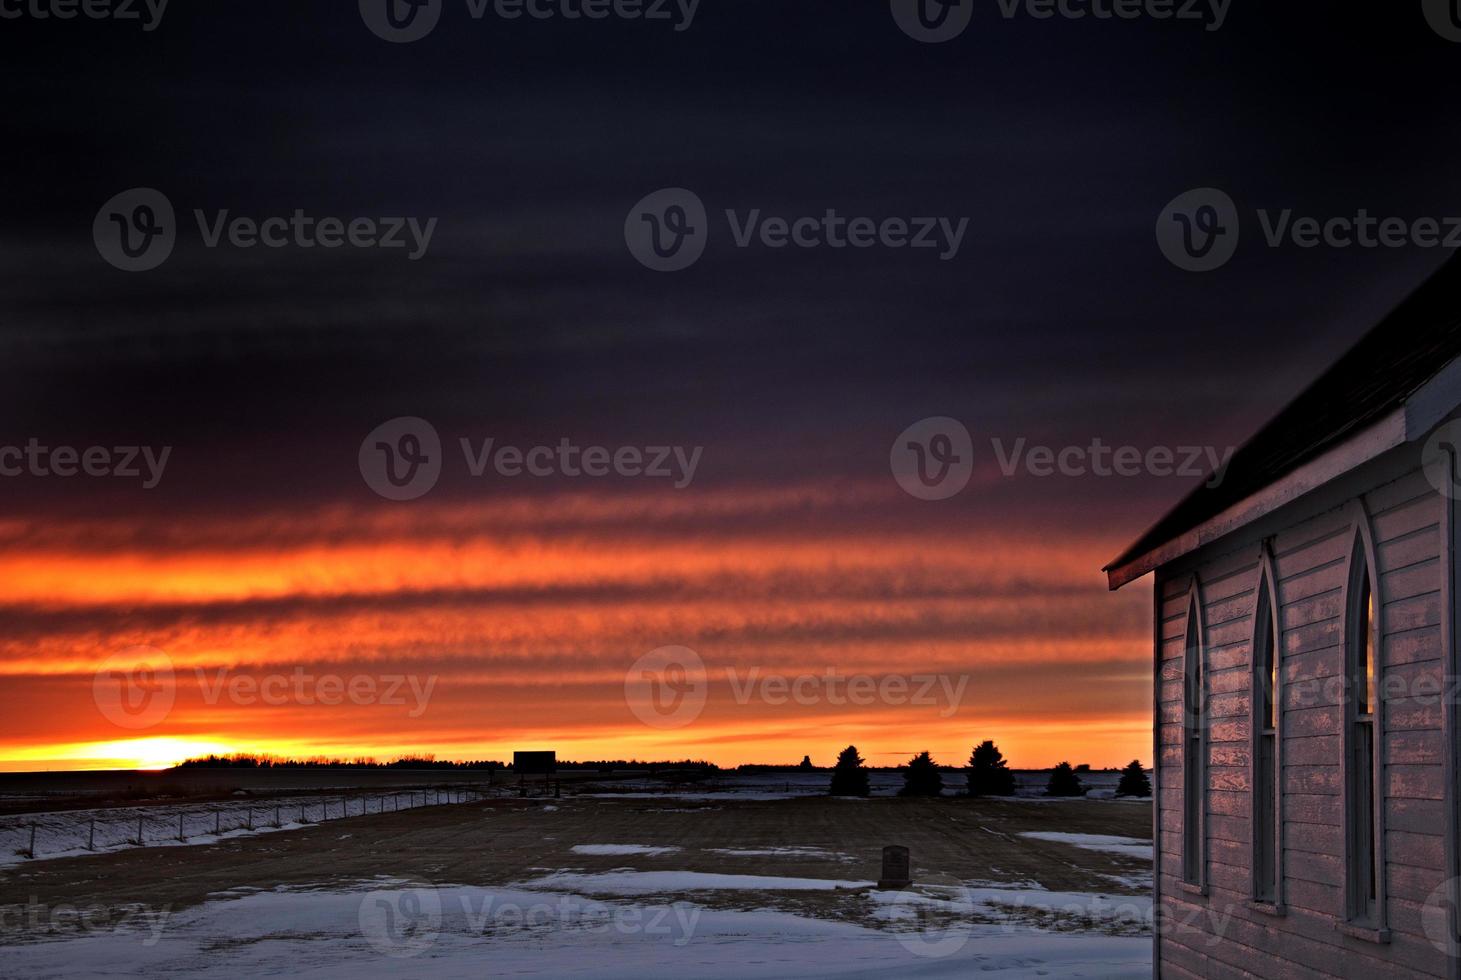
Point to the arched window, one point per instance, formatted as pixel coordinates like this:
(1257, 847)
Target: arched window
(1267, 746)
(1194, 747)
(1364, 866)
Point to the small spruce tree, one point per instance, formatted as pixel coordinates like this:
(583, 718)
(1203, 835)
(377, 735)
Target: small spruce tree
(849, 778)
(1064, 782)
(988, 773)
(921, 777)
(1134, 781)
(806, 763)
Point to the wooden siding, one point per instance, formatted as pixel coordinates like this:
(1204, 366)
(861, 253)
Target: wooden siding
(1222, 933)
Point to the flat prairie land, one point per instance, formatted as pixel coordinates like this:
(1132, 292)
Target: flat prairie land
(758, 887)
(498, 842)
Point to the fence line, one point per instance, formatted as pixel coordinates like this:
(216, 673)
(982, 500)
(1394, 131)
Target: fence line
(303, 810)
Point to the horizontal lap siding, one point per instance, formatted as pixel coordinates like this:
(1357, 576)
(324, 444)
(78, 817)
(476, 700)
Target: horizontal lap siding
(1311, 561)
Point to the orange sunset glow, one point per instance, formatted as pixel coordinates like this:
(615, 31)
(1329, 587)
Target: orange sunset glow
(473, 628)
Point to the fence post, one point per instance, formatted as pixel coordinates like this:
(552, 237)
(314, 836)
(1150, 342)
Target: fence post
(181, 835)
(32, 851)
(91, 836)
(217, 822)
(140, 840)
(301, 813)
(251, 818)
(278, 821)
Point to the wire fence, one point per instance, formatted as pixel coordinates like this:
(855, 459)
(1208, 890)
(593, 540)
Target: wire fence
(53, 834)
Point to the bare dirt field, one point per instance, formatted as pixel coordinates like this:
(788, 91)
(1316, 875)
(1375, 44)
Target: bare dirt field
(504, 841)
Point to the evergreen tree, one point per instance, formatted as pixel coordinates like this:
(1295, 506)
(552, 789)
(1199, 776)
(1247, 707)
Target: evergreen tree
(1134, 781)
(1064, 782)
(849, 778)
(922, 777)
(988, 773)
(806, 763)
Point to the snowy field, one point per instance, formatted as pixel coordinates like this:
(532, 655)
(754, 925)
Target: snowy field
(544, 929)
(754, 876)
(70, 833)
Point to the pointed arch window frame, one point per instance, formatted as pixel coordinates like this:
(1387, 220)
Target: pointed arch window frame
(1363, 792)
(1196, 722)
(1267, 742)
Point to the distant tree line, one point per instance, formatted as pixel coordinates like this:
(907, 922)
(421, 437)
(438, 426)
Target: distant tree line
(987, 774)
(243, 760)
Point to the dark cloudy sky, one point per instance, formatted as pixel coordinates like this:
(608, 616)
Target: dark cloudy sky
(529, 321)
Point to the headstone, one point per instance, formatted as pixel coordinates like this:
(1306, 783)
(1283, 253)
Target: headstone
(895, 868)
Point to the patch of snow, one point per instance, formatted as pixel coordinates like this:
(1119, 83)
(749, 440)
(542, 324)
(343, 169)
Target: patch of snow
(619, 850)
(628, 882)
(1129, 846)
(387, 929)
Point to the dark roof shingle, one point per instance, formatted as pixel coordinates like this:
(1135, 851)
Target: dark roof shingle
(1389, 364)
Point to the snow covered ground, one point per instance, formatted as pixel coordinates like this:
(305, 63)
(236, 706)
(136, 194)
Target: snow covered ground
(67, 833)
(392, 928)
(1129, 846)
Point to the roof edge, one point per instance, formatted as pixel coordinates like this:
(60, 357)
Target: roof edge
(1395, 429)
